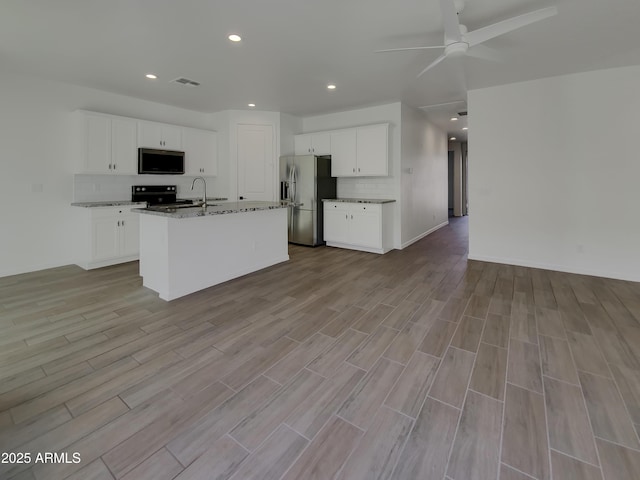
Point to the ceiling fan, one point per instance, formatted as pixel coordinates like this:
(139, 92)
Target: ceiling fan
(458, 41)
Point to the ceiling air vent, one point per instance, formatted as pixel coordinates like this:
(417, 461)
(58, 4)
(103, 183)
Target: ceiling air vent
(186, 82)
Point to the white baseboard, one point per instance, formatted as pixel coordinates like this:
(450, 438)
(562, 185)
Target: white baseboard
(34, 268)
(422, 235)
(557, 268)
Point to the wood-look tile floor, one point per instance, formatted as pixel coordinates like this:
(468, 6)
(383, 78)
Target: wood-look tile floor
(339, 364)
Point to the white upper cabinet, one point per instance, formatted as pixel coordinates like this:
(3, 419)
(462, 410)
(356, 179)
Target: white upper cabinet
(372, 155)
(312, 144)
(109, 144)
(343, 153)
(355, 152)
(159, 135)
(201, 151)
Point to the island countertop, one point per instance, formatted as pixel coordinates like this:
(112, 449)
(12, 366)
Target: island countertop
(122, 203)
(219, 209)
(359, 200)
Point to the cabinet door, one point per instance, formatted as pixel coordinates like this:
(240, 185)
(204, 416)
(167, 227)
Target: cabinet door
(365, 227)
(321, 144)
(129, 234)
(105, 238)
(343, 153)
(302, 144)
(373, 150)
(171, 137)
(149, 135)
(124, 145)
(336, 223)
(201, 151)
(97, 143)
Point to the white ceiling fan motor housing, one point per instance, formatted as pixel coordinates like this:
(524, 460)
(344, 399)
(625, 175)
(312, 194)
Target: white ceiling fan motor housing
(457, 48)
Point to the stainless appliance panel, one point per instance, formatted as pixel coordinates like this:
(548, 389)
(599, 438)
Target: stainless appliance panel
(301, 228)
(305, 182)
(162, 162)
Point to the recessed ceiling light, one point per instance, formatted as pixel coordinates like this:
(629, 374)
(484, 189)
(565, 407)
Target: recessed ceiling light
(452, 138)
(235, 38)
(465, 128)
(251, 104)
(454, 119)
(151, 76)
(331, 86)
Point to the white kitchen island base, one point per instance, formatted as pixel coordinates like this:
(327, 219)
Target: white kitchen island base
(179, 256)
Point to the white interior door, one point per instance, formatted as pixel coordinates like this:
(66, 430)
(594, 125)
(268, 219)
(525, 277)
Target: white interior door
(255, 162)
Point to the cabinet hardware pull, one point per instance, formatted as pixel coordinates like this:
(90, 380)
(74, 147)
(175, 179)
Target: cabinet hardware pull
(354, 170)
(123, 223)
(351, 217)
(346, 216)
(358, 169)
(114, 166)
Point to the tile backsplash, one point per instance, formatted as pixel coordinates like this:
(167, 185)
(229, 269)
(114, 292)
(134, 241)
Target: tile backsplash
(100, 188)
(367, 187)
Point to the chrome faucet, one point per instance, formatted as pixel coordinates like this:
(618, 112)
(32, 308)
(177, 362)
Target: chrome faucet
(204, 193)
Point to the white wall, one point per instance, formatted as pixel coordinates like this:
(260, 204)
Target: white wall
(36, 134)
(289, 127)
(424, 176)
(554, 176)
(369, 187)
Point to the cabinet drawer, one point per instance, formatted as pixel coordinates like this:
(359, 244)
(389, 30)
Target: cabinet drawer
(103, 212)
(336, 205)
(366, 207)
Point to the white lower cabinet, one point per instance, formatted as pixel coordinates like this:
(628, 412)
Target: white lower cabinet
(359, 226)
(107, 235)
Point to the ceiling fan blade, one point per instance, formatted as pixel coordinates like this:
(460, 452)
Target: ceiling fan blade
(432, 64)
(450, 21)
(485, 53)
(491, 31)
(408, 48)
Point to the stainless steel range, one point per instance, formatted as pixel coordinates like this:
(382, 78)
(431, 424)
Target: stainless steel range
(157, 195)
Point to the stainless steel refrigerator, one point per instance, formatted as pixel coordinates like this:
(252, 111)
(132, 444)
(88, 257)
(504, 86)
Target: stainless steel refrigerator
(304, 181)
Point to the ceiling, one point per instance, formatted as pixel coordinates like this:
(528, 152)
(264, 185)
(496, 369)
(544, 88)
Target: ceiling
(291, 49)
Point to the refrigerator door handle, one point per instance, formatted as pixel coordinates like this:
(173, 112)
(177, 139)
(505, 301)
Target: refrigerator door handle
(294, 180)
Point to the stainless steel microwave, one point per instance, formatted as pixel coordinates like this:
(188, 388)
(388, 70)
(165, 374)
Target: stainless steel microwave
(160, 162)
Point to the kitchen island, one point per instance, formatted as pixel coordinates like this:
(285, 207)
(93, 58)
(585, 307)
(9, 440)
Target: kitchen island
(183, 250)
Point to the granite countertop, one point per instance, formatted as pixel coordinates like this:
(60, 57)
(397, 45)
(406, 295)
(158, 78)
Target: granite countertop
(110, 203)
(359, 200)
(222, 209)
(118, 203)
